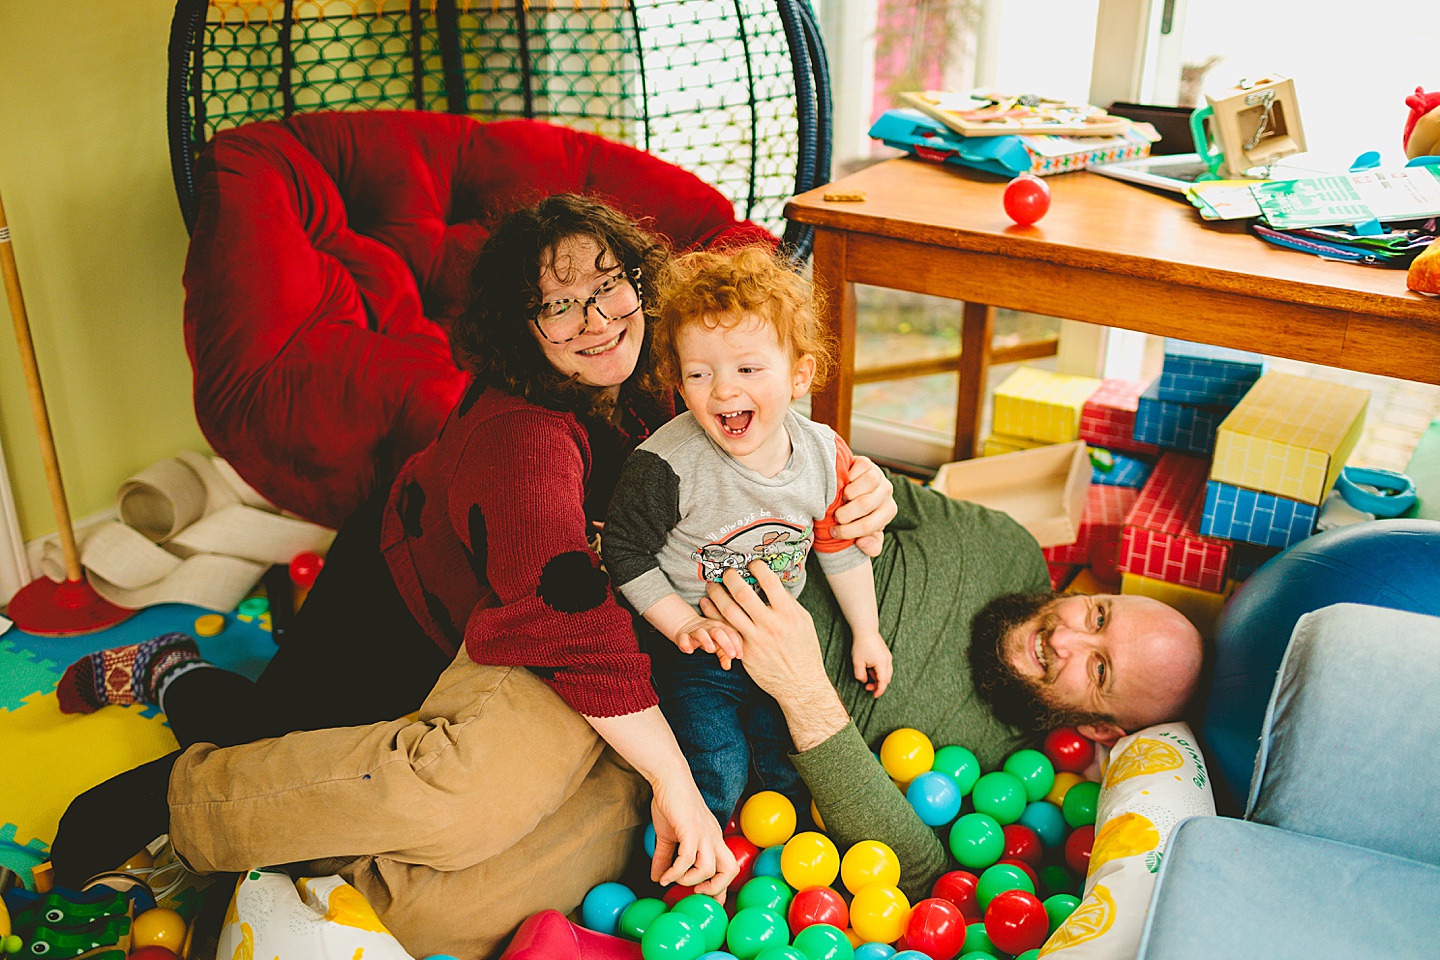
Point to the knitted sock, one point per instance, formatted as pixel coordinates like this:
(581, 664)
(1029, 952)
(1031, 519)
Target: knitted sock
(123, 675)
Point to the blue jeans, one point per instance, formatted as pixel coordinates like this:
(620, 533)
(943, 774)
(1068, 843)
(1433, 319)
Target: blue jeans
(728, 728)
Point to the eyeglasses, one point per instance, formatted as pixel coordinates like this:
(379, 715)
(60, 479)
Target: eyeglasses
(617, 297)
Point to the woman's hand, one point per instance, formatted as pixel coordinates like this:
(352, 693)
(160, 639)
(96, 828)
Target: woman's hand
(689, 844)
(869, 505)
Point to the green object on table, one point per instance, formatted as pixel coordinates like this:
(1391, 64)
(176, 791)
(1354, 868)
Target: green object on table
(960, 764)
(821, 941)
(672, 936)
(767, 893)
(755, 929)
(639, 915)
(1034, 770)
(1424, 469)
(709, 918)
(1081, 801)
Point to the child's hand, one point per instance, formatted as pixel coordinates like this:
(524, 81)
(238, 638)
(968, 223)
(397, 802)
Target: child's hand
(712, 636)
(874, 666)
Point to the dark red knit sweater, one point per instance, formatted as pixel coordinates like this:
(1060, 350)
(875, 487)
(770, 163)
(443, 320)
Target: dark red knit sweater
(486, 535)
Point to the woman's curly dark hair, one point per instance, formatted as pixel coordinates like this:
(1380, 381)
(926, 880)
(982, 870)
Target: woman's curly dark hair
(492, 338)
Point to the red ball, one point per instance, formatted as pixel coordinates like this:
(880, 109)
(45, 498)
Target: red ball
(304, 568)
(958, 886)
(155, 952)
(1016, 921)
(817, 905)
(1027, 199)
(1077, 848)
(675, 893)
(745, 854)
(1022, 865)
(1022, 843)
(733, 827)
(936, 928)
(1068, 750)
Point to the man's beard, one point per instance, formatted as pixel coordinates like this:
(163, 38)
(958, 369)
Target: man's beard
(1014, 698)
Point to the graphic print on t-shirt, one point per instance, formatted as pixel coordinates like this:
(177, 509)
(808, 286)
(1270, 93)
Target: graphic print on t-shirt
(782, 545)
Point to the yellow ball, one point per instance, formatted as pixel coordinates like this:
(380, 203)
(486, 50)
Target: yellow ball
(869, 862)
(767, 819)
(1064, 780)
(815, 814)
(879, 913)
(809, 860)
(141, 861)
(158, 927)
(906, 754)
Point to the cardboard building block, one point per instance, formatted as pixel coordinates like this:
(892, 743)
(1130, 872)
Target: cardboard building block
(1088, 582)
(998, 443)
(1424, 469)
(1162, 538)
(1290, 436)
(1177, 426)
(1061, 574)
(1108, 418)
(1239, 514)
(1041, 405)
(1098, 541)
(1043, 489)
(1202, 374)
(1200, 607)
(1125, 472)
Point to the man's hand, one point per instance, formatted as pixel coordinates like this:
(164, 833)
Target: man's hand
(873, 663)
(712, 636)
(689, 844)
(782, 652)
(869, 505)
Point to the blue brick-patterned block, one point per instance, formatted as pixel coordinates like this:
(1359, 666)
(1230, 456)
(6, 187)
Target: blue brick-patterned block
(1239, 514)
(1177, 426)
(1127, 472)
(1200, 373)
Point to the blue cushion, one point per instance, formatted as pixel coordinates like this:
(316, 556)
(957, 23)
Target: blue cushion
(1349, 749)
(1228, 888)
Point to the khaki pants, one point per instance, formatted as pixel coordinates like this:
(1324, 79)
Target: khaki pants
(498, 802)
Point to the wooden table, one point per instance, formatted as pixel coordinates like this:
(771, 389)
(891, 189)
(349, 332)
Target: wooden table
(1107, 253)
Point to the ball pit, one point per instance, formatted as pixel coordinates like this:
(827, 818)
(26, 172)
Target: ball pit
(822, 941)
(906, 754)
(869, 862)
(767, 819)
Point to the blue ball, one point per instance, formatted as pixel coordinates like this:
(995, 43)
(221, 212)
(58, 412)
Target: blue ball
(600, 910)
(767, 864)
(650, 840)
(1046, 820)
(441, 956)
(911, 955)
(718, 955)
(874, 951)
(935, 797)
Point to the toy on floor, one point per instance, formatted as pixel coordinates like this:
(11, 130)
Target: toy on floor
(64, 924)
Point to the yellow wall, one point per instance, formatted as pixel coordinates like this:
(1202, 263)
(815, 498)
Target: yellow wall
(97, 233)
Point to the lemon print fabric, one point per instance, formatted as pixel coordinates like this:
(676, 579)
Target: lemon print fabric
(340, 902)
(1144, 756)
(245, 949)
(1090, 921)
(1127, 835)
(272, 917)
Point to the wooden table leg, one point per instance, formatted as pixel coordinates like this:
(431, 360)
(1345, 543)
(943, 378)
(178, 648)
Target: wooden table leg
(831, 403)
(976, 329)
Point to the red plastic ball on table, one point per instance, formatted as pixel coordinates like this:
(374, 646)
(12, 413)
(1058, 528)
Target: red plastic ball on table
(817, 905)
(1016, 921)
(1077, 848)
(958, 886)
(936, 928)
(1022, 843)
(745, 853)
(1068, 750)
(304, 568)
(1027, 199)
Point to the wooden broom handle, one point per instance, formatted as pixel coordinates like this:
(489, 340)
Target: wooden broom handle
(37, 400)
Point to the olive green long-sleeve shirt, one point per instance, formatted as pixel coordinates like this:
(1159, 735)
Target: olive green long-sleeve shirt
(942, 561)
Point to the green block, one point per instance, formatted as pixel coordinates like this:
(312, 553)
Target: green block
(1424, 469)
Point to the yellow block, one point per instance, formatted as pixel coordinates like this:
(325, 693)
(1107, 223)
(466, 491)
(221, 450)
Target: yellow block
(998, 443)
(1200, 607)
(1290, 436)
(1041, 405)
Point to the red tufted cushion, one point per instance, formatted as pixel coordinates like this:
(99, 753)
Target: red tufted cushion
(331, 252)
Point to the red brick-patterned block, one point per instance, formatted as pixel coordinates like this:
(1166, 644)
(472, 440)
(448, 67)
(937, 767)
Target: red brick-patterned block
(1108, 417)
(1097, 542)
(1161, 537)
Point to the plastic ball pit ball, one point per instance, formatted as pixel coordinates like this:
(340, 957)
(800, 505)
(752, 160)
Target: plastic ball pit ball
(879, 913)
(999, 879)
(649, 840)
(936, 928)
(1001, 795)
(753, 930)
(1024, 867)
(978, 941)
(636, 918)
(1027, 199)
(818, 905)
(868, 862)
(1056, 879)
(767, 819)
(1016, 921)
(600, 910)
(1033, 769)
(874, 951)
(1068, 750)
(958, 886)
(767, 864)
(960, 765)
(977, 840)
(1080, 803)
(821, 941)
(906, 753)
(815, 815)
(718, 955)
(672, 936)
(1077, 849)
(908, 954)
(709, 917)
(780, 951)
(1063, 782)
(935, 797)
(1022, 843)
(809, 860)
(767, 893)
(158, 927)
(675, 893)
(1058, 909)
(745, 853)
(1046, 820)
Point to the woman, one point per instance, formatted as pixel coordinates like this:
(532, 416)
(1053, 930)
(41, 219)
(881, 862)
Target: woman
(483, 543)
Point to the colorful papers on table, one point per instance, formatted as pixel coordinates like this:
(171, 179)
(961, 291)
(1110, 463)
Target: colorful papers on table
(1407, 193)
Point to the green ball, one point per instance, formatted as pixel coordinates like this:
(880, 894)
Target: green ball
(1080, 803)
(998, 879)
(977, 840)
(1034, 770)
(639, 915)
(960, 764)
(1059, 907)
(1057, 879)
(672, 936)
(1001, 795)
(821, 941)
(978, 941)
(709, 918)
(780, 952)
(753, 930)
(1029, 955)
(767, 893)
